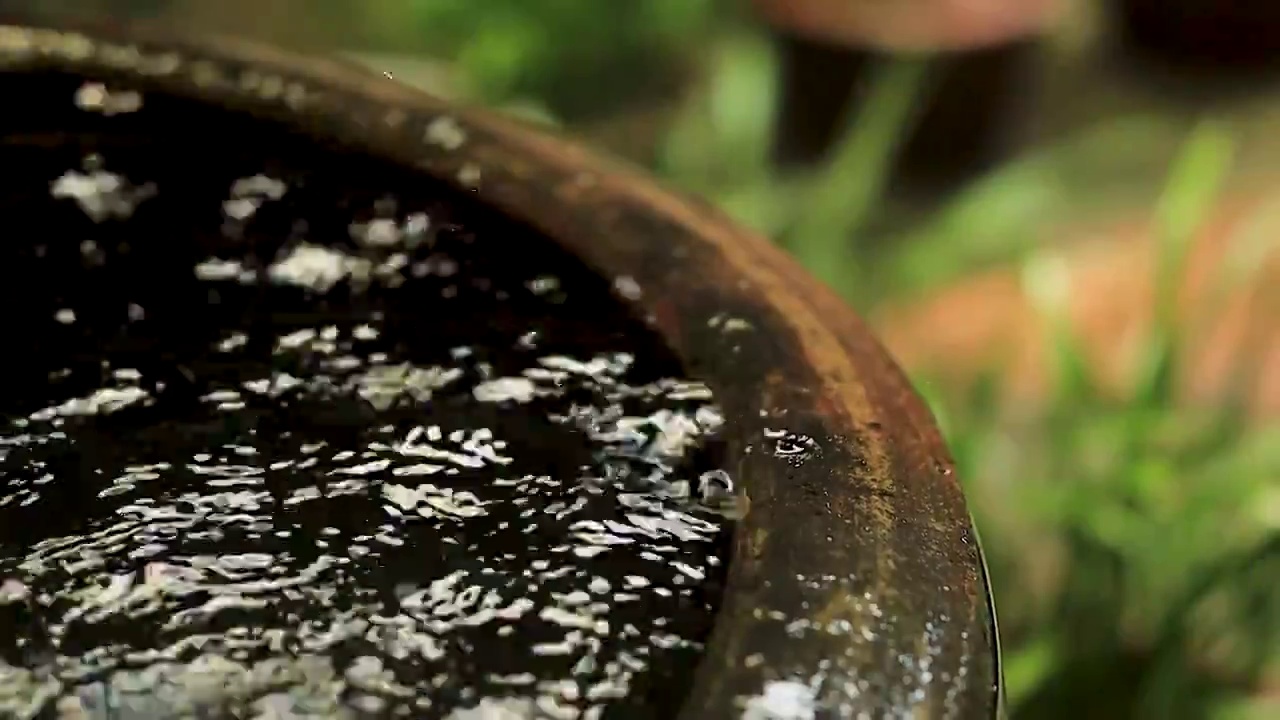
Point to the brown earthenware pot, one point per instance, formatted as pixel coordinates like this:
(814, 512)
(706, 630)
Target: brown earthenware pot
(856, 575)
(971, 112)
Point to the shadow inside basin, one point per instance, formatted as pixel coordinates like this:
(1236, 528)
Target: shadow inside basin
(287, 427)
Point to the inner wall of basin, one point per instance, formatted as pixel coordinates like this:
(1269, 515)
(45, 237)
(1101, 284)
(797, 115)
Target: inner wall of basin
(290, 432)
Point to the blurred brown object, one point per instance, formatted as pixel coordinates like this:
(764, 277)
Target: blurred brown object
(910, 25)
(972, 110)
(1240, 35)
(1232, 335)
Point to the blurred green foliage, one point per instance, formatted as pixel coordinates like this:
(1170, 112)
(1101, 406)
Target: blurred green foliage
(1133, 543)
(1166, 604)
(581, 58)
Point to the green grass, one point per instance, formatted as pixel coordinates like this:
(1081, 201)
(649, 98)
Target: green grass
(1133, 563)
(1160, 604)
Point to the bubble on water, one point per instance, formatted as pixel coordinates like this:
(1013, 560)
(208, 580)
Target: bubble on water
(514, 389)
(220, 269)
(100, 402)
(100, 194)
(795, 448)
(318, 268)
(249, 194)
(388, 230)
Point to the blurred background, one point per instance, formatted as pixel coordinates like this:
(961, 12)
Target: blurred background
(1062, 217)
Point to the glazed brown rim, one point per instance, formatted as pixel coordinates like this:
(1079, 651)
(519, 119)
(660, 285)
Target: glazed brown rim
(856, 571)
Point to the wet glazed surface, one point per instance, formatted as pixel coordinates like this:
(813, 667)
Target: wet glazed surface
(305, 437)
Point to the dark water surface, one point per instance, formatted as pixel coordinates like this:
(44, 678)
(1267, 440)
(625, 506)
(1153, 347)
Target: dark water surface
(288, 433)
